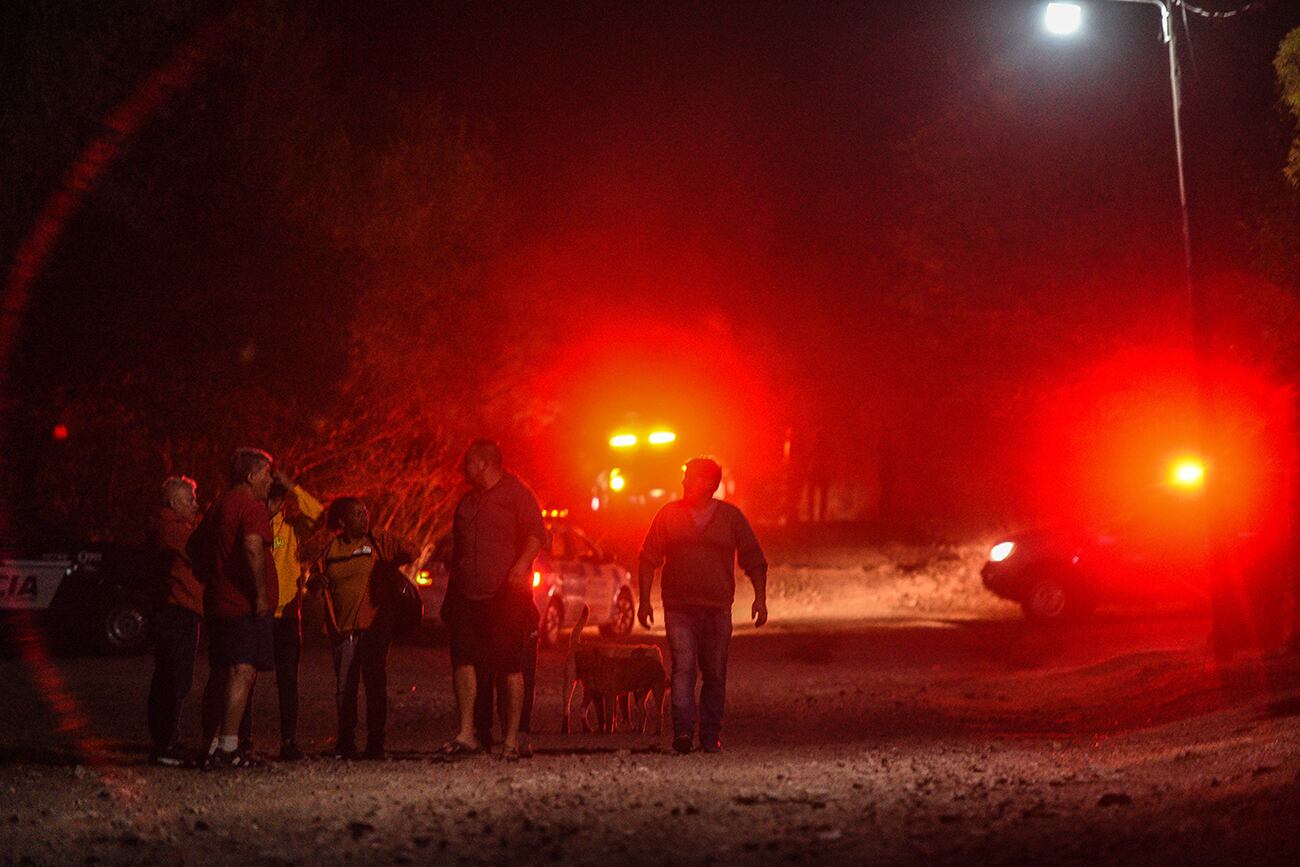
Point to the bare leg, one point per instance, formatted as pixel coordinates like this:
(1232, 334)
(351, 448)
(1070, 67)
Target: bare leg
(239, 685)
(510, 688)
(501, 714)
(465, 683)
(214, 700)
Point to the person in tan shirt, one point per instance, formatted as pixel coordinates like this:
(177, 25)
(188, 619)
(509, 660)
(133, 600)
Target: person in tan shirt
(295, 517)
(357, 573)
(176, 622)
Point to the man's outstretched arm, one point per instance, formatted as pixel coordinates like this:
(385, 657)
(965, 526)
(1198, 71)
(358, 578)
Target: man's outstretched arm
(758, 612)
(523, 566)
(645, 580)
(750, 556)
(652, 557)
(255, 551)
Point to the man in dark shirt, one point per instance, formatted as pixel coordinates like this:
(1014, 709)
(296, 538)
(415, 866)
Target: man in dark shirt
(176, 622)
(496, 533)
(697, 540)
(231, 551)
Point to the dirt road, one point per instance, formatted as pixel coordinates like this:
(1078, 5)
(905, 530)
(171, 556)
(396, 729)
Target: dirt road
(892, 738)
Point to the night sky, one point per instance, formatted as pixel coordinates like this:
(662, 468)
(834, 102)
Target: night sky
(831, 220)
(748, 165)
(780, 121)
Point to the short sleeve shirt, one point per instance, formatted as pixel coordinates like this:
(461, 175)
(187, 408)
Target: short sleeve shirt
(181, 588)
(229, 591)
(489, 532)
(349, 570)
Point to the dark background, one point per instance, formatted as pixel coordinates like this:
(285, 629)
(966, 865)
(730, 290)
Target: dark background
(920, 243)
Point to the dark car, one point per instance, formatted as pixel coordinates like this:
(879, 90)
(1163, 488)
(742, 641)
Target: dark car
(96, 595)
(573, 573)
(1059, 574)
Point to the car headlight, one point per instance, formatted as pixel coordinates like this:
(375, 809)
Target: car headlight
(1001, 551)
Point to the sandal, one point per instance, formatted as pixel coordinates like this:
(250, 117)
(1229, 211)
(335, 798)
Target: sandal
(456, 749)
(510, 754)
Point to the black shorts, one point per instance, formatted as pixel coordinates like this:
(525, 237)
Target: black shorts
(492, 634)
(243, 640)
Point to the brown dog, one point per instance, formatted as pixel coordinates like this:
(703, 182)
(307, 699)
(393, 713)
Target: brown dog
(609, 673)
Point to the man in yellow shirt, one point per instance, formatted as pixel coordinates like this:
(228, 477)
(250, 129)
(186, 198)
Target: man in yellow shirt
(295, 516)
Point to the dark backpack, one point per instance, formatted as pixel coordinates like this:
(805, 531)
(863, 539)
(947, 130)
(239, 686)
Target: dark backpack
(397, 595)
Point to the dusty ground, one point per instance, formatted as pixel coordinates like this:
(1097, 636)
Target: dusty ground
(891, 713)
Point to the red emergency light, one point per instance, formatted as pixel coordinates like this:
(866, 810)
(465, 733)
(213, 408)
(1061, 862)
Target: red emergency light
(1188, 474)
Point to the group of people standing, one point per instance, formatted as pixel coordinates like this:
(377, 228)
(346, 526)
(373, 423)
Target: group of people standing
(239, 574)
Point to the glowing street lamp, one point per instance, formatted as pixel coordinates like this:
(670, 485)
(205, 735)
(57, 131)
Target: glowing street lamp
(1063, 19)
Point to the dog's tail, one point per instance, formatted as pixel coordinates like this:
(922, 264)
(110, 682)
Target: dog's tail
(576, 635)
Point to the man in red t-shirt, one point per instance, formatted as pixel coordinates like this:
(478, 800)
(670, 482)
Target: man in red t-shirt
(231, 552)
(176, 622)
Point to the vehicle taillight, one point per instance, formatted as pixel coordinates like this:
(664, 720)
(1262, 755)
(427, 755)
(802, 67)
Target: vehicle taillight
(662, 437)
(1001, 551)
(622, 441)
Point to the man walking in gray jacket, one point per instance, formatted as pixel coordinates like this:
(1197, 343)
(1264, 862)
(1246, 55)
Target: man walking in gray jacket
(697, 540)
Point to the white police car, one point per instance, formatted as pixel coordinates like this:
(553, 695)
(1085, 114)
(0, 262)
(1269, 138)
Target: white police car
(573, 573)
(96, 595)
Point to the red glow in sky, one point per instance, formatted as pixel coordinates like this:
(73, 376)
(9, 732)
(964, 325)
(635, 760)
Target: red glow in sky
(1118, 440)
(646, 332)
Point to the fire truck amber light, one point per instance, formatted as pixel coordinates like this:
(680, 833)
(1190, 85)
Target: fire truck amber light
(1188, 474)
(623, 441)
(422, 578)
(537, 579)
(662, 437)
(1001, 551)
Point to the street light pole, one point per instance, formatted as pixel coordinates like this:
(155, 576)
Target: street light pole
(1226, 602)
(1169, 33)
(1169, 36)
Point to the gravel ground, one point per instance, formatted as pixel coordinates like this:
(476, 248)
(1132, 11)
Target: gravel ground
(878, 730)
